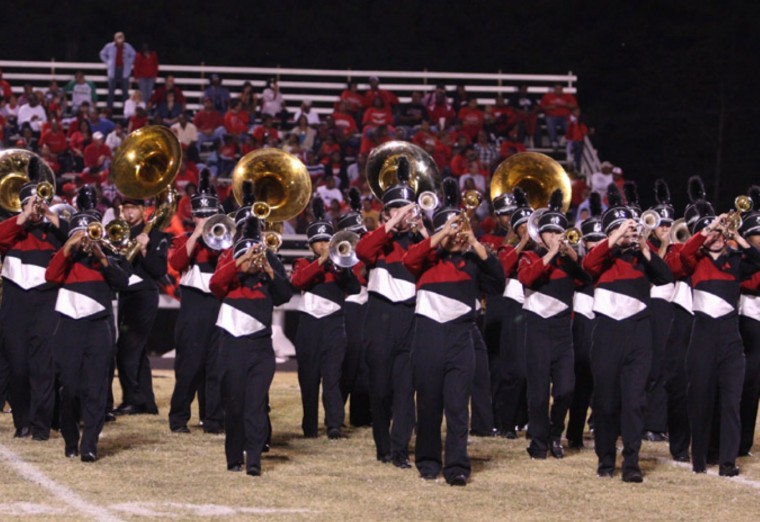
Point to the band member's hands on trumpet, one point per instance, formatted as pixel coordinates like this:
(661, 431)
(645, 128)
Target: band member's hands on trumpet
(196, 234)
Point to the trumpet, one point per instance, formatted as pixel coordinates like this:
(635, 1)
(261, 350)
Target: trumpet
(44, 192)
(471, 200)
(679, 232)
(427, 201)
(342, 249)
(114, 236)
(219, 232)
(272, 240)
(733, 221)
(571, 236)
(259, 258)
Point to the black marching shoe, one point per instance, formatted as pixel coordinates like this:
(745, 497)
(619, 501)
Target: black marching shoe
(575, 444)
(604, 473)
(385, 459)
(428, 475)
(213, 430)
(235, 467)
(633, 476)
(22, 433)
(181, 429)
(41, 437)
(509, 434)
(728, 470)
(402, 462)
(488, 433)
(255, 471)
(655, 436)
(110, 417)
(683, 457)
(334, 434)
(89, 457)
(557, 450)
(71, 453)
(459, 480)
(129, 409)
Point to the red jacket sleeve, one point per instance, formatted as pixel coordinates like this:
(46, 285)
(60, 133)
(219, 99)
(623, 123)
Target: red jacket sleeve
(370, 247)
(531, 269)
(595, 261)
(673, 260)
(508, 257)
(751, 285)
(418, 257)
(690, 252)
(179, 260)
(305, 272)
(9, 232)
(224, 276)
(58, 268)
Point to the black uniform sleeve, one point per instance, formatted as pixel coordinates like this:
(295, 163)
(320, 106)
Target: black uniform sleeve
(750, 262)
(117, 273)
(491, 278)
(61, 232)
(575, 270)
(156, 257)
(279, 286)
(656, 270)
(348, 281)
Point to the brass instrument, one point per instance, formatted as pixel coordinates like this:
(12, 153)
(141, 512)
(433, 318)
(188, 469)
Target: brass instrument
(733, 221)
(166, 206)
(426, 202)
(572, 236)
(382, 165)
(114, 236)
(679, 232)
(648, 221)
(471, 200)
(64, 211)
(259, 258)
(537, 174)
(219, 232)
(281, 188)
(15, 165)
(342, 249)
(532, 226)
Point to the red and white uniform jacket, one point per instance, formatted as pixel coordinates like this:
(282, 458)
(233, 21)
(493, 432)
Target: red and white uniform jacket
(513, 289)
(449, 284)
(623, 279)
(749, 302)
(664, 292)
(682, 285)
(86, 286)
(323, 287)
(382, 253)
(716, 282)
(549, 288)
(27, 251)
(196, 268)
(583, 299)
(248, 299)
(360, 298)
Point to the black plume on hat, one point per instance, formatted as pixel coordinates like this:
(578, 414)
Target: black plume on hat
(702, 214)
(614, 197)
(553, 219)
(248, 197)
(555, 201)
(355, 199)
(754, 195)
(617, 213)
(320, 229)
(318, 209)
(450, 193)
(87, 199)
(402, 169)
(521, 200)
(205, 185)
(696, 189)
(250, 234)
(631, 193)
(661, 192)
(595, 204)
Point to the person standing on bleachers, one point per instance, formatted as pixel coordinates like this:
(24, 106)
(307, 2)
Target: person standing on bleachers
(118, 57)
(146, 70)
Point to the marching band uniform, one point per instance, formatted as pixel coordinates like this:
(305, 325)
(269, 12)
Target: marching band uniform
(549, 288)
(83, 339)
(354, 377)
(449, 283)
(27, 316)
(583, 327)
(138, 306)
(389, 327)
(246, 355)
(715, 361)
(321, 338)
(196, 334)
(621, 349)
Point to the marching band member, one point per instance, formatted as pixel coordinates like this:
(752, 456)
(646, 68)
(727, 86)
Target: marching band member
(583, 327)
(196, 334)
(27, 314)
(138, 306)
(621, 357)
(549, 275)
(749, 326)
(321, 338)
(452, 270)
(513, 403)
(390, 320)
(250, 281)
(354, 377)
(715, 361)
(83, 345)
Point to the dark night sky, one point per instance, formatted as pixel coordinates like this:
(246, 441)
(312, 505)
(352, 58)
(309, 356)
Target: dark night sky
(669, 86)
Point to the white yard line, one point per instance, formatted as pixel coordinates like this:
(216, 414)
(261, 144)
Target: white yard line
(32, 474)
(712, 472)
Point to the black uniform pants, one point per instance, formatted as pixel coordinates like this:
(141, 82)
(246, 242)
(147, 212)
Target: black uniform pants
(656, 419)
(83, 350)
(494, 317)
(196, 361)
(137, 313)
(513, 400)
(584, 381)
(677, 382)
(354, 377)
(750, 331)
(482, 409)
(549, 358)
(28, 320)
(387, 340)
(443, 365)
(621, 358)
(320, 349)
(715, 366)
(247, 369)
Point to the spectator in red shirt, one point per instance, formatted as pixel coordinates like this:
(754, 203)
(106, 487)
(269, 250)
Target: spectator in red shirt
(327, 148)
(210, 124)
(504, 116)
(511, 146)
(373, 138)
(266, 132)
(378, 114)
(5, 88)
(159, 94)
(575, 136)
(78, 140)
(344, 120)
(236, 121)
(460, 160)
(354, 101)
(526, 115)
(471, 118)
(389, 99)
(97, 155)
(138, 121)
(227, 156)
(145, 70)
(440, 111)
(54, 138)
(425, 135)
(557, 106)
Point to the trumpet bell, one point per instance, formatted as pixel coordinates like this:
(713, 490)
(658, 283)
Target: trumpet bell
(117, 232)
(743, 203)
(679, 232)
(471, 199)
(573, 236)
(428, 200)
(280, 180)
(146, 162)
(219, 232)
(15, 166)
(650, 219)
(537, 174)
(382, 165)
(95, 231)
(272, 240)
(342, 249)
(45, 190)
(63, 211)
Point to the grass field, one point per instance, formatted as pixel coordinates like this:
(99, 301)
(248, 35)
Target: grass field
(146, 472)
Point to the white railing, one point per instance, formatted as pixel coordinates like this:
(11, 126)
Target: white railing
(321, 86)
